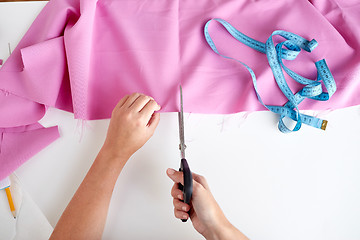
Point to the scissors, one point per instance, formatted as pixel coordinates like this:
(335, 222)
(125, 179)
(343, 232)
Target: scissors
(187, 188)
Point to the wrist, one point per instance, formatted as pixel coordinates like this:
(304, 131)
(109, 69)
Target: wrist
(112, 158)
(215, 232)
(224, 231)
(114, 152)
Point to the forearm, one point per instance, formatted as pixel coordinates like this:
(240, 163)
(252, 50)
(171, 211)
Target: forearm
(133, 121)
(85, 216)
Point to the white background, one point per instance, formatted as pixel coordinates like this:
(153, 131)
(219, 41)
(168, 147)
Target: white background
(303, 185)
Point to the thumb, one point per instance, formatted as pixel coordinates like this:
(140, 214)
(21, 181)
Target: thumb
(202, 180)
(176, 176)
(154, 121)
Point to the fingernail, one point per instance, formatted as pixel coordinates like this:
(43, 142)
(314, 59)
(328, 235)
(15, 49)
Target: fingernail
(180, 196)
(171, 171)
(184, 209)
(184, 216)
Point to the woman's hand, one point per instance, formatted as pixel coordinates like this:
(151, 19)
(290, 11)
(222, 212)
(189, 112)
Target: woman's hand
(205, 213)
(133, 122)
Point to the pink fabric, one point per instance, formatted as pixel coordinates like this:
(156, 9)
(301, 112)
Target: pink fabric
(18, 144)
(84, 55)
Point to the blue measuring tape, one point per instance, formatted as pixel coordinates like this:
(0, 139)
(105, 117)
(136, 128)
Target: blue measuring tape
(288, 50)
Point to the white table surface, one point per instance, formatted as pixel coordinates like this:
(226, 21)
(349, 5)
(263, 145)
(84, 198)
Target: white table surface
(304, 185)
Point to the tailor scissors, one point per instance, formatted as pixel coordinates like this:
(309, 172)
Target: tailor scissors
(187, 188)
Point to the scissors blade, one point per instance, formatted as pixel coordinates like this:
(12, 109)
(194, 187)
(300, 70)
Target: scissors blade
(182, 145)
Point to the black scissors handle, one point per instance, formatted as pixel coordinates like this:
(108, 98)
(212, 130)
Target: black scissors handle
(187, 189)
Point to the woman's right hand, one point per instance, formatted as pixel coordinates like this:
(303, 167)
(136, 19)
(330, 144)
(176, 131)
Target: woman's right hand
(205, 213)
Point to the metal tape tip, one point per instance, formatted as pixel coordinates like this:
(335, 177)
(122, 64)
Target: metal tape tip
(324, 124)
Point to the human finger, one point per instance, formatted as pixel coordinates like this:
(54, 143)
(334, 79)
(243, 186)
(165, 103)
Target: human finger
(121, 102)
(131, 99)
(140, 102)
(201, 179)
(181, 214)
(154, 121)
(181, 206)
(150, 107)
(198, 189)
(176, 192)
(176, 176)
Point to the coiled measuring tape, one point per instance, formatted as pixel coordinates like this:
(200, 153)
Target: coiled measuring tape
(288, 50)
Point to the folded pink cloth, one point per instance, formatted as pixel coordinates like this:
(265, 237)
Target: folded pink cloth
(84, 55)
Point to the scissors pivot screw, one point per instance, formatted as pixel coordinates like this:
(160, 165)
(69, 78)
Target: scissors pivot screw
(180, 148)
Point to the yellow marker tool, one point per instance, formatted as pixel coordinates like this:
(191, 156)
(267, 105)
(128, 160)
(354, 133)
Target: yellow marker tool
(11, 203)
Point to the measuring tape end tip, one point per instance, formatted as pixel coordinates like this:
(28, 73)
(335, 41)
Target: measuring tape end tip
(324, 124)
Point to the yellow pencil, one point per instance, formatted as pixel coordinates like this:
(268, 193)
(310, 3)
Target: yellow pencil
(11, 204)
